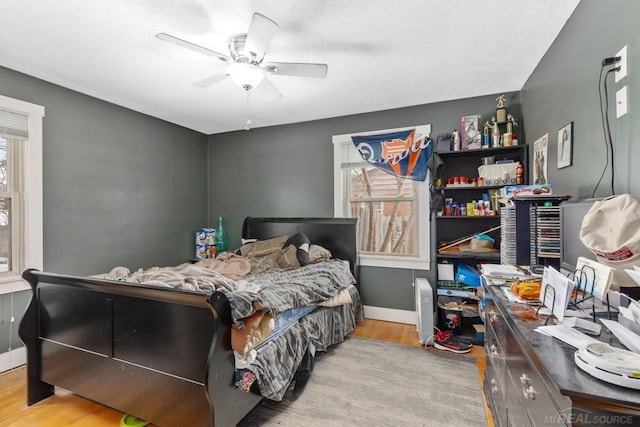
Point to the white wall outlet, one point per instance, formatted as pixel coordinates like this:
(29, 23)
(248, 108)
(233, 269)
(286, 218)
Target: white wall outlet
(619, 75)
(621, 102)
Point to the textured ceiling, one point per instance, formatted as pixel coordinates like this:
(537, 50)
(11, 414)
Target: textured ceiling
(381, 54)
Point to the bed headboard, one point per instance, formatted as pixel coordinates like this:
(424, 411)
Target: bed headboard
(336, 234)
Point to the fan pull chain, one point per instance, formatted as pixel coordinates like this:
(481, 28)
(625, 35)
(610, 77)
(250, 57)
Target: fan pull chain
(247, 125)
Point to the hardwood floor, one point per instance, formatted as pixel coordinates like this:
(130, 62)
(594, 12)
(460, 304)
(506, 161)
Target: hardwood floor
(66, 409)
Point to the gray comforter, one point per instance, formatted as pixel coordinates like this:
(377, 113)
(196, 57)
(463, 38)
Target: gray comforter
(278, 290)
(276, 363)
(274, 291)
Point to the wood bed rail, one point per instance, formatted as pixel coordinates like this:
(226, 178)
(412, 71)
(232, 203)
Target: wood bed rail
(161, 354)
(197, 299)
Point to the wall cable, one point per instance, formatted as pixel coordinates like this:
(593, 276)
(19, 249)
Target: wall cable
(604, 116)
(606, 112)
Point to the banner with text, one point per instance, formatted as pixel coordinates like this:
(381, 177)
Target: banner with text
(402, 153)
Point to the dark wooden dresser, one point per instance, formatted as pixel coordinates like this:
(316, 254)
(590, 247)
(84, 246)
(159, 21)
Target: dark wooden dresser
(532, 380)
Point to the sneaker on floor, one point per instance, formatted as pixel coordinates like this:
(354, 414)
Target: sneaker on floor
(445, 340)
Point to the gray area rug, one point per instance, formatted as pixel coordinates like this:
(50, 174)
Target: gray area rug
(364, 382)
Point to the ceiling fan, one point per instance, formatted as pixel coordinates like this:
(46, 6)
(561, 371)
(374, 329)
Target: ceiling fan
(246, 55)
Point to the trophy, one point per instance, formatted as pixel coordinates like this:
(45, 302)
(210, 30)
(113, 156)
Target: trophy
(511, 123)
(501, 112)
(495, 133)
(485, 135)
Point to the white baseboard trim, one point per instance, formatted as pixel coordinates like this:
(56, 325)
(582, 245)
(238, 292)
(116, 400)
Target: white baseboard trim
(13, 359)
(391, 315)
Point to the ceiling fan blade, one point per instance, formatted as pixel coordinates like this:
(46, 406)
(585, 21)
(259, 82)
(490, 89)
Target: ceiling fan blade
(261, 32)
(216, 78)
(267, 91)
(297, 69)
(183, 43)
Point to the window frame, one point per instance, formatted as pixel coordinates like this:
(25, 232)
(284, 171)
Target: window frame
(421, 204)
(14, 192)
(31, 230)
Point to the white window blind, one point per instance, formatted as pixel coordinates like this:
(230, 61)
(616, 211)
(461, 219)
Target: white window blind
(14, 124)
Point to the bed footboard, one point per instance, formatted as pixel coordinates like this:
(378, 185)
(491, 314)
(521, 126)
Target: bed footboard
(162, 355)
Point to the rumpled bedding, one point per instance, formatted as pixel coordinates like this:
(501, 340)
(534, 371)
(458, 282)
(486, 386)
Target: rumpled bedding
(272, 292)
(228, 264)
(191, 277)
(276, 291)
(273, 367)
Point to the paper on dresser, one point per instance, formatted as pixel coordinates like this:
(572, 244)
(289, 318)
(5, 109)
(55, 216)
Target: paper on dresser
(556, 291)
(634, 274)
(593, 277)
(630, 339)
(629, 307)
(626, 312)
(583, 325)
(567, 334)
(505, 271)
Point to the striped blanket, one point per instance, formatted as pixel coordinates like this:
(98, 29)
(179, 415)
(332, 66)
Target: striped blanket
(274, 291)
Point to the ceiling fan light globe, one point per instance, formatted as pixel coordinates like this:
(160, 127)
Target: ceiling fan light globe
(246, 75)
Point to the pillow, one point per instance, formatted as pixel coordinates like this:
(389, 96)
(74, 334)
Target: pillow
(318, 253)
(263, 247)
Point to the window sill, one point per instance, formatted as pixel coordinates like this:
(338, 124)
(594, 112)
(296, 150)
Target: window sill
(11, 284)
(395, 262)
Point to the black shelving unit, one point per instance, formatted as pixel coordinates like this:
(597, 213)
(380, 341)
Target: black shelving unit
(450, 228)
(536, 218)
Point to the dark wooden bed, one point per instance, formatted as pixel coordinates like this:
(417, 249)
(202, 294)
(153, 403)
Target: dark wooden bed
(162, 355)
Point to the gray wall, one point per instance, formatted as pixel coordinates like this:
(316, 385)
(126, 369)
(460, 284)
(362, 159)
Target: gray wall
(564, 88)
(288, 171)
(12, 305)
(120, 188)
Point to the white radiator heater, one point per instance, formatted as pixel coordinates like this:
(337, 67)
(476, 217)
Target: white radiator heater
(424, 310)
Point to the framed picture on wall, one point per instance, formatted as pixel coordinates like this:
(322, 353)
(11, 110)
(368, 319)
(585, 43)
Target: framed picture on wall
(565, 146)
(540, 160)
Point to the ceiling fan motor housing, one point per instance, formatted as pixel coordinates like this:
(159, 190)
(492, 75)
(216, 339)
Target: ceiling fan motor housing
(237, 51)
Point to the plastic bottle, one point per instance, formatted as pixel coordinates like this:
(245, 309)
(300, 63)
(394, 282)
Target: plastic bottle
(221, 236)
(495, 135)
(519, 174)
(456, 140)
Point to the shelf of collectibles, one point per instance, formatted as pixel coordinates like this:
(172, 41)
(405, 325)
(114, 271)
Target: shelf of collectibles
(468, 226)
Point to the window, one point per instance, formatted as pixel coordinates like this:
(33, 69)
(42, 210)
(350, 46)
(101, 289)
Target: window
(10, 204)
(392, 212)
(20, 191)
